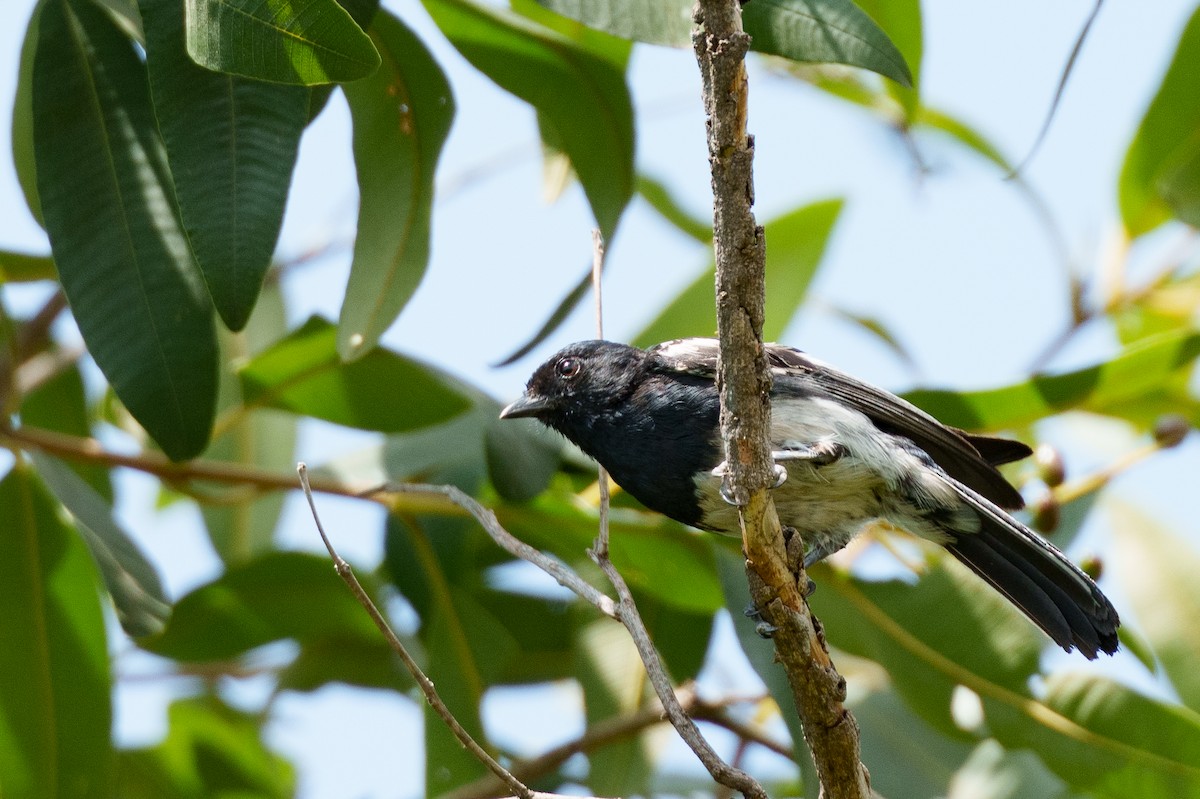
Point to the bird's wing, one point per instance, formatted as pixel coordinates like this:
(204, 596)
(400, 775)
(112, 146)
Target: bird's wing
(967, 458)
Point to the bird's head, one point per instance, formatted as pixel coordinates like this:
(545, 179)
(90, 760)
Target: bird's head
(580, 384)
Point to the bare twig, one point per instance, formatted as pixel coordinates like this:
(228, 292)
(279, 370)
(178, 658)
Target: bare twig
(627, 614)
(744, 383)
(618, 728)
(423, 682)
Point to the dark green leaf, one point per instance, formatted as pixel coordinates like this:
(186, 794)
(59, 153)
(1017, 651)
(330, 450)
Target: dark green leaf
(1110, 387)
(543, 630)
(310, 42)
(382, 391)
(132, 582)
(275, 597)
(522, 456)
(211, 750)
(1158, 573)
(580, 93)
(823, 31)
(350, 660)
(108, 202)
(242, 525)
(731, 568)
(948, 629)
(795, 245)
(1165, 143)
(907, 756)
(401, 115)
(55, 709)
(832, 31)
(654, 555)
(901, 21)
(232, 144)
(1104, 738)
(60, 404)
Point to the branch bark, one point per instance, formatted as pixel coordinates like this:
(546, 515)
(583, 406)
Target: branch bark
(745, 384)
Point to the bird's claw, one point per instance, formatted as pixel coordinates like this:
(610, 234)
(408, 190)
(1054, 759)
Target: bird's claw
(721, 468)
(763, 627)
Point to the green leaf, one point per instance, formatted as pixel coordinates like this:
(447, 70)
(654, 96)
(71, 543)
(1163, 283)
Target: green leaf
(381, 391)
(795, 245)
(947, 629)
(232, 144)
(667, 22)
(1103, 738)
(580, 93)
(830, 31)
(901, 21)
(211, 750)
(1179, 181)
(108, 202)
(823, 31)
(521, 458)
(401, 116)
(308, 42)
(614, 682)
(907, 756)
(16, 267)
(277, 596)
(132, 582)
(22, 122)
(1112, 387)
(60, 404)
(55, 710)
(1157, 570)
(997, 773)
(242, 525)
(1165, 142)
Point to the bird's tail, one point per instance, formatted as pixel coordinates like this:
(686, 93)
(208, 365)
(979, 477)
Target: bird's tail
(1038, 578)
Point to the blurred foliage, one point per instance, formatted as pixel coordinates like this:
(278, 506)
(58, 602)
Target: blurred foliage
(161, 182)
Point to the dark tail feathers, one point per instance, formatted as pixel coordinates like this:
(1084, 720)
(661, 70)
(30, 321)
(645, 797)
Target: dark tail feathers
(1039, 579)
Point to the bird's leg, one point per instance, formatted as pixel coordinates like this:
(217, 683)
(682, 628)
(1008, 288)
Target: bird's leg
(822, 453)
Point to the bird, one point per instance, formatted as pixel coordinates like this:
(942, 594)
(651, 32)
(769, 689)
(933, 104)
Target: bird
(847, 454)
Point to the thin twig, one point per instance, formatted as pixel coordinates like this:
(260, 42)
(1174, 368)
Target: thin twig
(507, 541)
(423, 682)
(618, 728)
(1058, 92)
(627, 613)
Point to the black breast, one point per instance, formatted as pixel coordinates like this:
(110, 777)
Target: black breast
(656, 440)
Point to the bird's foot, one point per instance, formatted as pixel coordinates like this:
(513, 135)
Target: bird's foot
(763, 627)
(719, 470)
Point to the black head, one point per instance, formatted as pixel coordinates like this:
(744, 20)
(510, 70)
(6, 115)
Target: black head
(580, 383)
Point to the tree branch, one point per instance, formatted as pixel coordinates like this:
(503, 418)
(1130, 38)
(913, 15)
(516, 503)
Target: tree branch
(744, 382)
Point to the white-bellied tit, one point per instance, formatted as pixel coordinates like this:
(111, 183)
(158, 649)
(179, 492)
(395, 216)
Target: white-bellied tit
(849, 454)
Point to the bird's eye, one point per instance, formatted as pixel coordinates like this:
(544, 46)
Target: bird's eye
(567, 368)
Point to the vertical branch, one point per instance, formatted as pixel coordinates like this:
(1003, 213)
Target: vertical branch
(745, 384)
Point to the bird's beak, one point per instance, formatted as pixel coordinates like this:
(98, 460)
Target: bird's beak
(527, 405)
